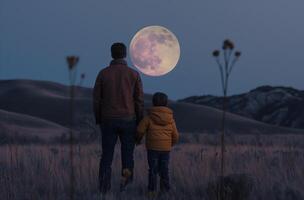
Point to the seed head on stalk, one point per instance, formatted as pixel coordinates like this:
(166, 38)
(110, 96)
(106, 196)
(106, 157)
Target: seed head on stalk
(82, 77)
(225, 71)
(72, 62)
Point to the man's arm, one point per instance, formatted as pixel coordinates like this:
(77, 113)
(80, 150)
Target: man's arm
(142, 129)
(97, 96)
(138, 99)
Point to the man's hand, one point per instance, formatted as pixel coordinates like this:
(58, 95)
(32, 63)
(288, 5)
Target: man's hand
(137, 141)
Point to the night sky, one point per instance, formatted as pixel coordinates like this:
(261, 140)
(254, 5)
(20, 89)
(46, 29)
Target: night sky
(36, 35)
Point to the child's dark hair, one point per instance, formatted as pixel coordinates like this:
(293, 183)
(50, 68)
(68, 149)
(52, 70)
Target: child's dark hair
(160, 99)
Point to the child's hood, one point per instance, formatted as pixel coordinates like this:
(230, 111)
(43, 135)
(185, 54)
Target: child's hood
(161, 115)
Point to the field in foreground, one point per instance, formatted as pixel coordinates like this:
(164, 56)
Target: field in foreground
(42, 171)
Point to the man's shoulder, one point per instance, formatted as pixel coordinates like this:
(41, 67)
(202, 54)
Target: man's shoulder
(104, 70)
(132, 70)
(111, 69)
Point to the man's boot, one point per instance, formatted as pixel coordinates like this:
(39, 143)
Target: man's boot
(125, 179)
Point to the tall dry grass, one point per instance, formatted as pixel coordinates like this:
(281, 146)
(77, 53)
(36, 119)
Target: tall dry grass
(42, 171)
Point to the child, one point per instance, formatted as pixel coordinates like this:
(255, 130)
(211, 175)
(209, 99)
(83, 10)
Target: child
(161, 134)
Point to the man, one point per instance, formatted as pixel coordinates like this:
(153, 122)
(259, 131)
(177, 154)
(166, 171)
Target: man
(118, 107)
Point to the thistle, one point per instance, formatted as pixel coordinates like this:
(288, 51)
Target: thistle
(216, 53)
(225, 71)
(82, 77)
(72, 61)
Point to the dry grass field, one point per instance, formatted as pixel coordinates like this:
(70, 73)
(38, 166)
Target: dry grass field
(275, 162)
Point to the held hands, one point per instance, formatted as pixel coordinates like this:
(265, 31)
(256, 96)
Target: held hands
(137, 141)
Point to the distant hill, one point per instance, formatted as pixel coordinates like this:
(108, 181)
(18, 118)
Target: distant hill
(282, 106)
(23, 126)
(42, 107)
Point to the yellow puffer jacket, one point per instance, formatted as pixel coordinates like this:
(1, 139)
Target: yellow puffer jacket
(160, 129)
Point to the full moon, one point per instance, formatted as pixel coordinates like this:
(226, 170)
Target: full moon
(154, 50)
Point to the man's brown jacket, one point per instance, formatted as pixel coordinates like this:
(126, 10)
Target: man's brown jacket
(118, 93)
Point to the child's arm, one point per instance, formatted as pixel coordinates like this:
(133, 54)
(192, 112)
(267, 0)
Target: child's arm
(175, 134)
(142, 128)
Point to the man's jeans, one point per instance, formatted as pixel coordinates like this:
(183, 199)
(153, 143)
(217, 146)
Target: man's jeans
(111, 129)
(158, 165)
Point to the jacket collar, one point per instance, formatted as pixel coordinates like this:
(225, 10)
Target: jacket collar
(118, 62)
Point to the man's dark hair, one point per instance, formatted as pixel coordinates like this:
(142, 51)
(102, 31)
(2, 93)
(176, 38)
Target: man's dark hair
(160, 99)
(118, 50)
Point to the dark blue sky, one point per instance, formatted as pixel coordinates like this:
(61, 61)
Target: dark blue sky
(36, 35)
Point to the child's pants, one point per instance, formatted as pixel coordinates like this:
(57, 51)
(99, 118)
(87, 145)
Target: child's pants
(158, 165)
